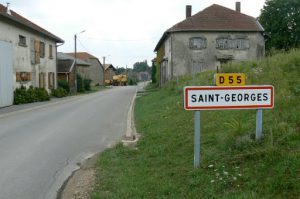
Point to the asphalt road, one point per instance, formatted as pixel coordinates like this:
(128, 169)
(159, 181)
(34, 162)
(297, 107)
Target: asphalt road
(41, 147)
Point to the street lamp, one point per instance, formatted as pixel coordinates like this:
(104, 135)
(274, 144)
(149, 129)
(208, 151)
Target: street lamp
(75, 58)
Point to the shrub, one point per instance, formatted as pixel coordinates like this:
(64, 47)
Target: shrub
(80, 87)
(23, 95)
(87, 84)
(132, 81)
(60, 92)
(64, 84)
(20, 95)
(42, 94)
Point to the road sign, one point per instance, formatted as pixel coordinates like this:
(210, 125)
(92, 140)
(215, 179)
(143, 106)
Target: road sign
(230, 79)
(228, 97)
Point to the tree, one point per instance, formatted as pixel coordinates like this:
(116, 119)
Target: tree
(120, 71)
(153, 73)
(281, 21)
(141, 66)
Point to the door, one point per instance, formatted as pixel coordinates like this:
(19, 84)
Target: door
(6, 74)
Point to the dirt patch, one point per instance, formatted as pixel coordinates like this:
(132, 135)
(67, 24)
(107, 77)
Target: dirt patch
(81, 183)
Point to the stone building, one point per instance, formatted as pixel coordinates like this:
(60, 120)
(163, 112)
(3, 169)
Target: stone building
(66, 69)
(94, 72)
(207, 39)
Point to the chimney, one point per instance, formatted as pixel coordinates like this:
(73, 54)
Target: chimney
(8, 9)
(238, 6)
(188, 11)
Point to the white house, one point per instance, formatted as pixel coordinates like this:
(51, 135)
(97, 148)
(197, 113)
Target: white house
(30, 54)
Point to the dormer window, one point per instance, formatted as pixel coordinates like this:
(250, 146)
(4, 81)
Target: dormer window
(198, 43)
(22, 41)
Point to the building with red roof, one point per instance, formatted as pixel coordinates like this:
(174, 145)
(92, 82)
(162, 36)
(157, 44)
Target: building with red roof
(206, 40)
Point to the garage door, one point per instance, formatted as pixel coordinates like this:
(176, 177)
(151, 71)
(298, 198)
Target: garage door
(6, 74)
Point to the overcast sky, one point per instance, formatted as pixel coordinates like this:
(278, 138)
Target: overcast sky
(125, 31)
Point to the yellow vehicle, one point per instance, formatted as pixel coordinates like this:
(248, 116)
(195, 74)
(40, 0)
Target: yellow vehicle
(119, 80)
(108, 82)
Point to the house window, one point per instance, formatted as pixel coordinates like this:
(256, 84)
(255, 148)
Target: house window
(198, 43)
(23, 76)
(51, 80)
(42, 49)
(235, 44)
(50, 52)
(241, 44)
(22, 41)
(223, 43)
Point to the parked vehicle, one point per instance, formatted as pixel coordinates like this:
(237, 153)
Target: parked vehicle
(119, 80)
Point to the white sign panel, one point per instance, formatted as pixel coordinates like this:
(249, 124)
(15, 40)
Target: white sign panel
(228, 97)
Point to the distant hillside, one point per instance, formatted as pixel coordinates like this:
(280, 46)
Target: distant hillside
(233, 163)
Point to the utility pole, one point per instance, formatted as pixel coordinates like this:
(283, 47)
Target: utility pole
(75, 58)
(75, 62)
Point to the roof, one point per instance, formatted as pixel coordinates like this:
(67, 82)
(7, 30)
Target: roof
(215, 18)
(106, 66)
(66, 62)
(83, 55)
(18, 19)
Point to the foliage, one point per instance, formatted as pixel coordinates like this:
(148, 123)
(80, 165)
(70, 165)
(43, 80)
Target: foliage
(281, 21)
(141, 66)
(80, 87)
(23, 95)
(132, 81)
(59, 92)
(83, 84)
(64, 84)
(120, 71)
(153, 73)
(233, 164)
(87, 84)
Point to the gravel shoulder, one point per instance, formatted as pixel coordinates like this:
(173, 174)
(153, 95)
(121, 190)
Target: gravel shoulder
(81, 183)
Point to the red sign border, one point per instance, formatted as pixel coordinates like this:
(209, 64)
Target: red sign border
(188, 88)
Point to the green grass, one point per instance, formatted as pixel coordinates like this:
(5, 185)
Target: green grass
(233, 163)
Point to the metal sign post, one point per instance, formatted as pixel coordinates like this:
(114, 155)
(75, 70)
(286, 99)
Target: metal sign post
(198, 98)
(197, 138)
(259, 120)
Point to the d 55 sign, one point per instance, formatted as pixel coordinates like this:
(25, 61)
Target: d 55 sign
(230, 79)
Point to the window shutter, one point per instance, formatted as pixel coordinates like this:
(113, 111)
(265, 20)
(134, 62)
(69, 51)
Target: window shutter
(37, 51)
(18, 77)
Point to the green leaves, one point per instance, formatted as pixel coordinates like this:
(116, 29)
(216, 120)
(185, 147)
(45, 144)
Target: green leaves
(281, 21)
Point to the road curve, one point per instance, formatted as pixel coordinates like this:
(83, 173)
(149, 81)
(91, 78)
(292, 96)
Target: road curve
(40, 148)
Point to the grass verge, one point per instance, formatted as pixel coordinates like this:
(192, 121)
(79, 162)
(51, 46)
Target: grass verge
(233, 163)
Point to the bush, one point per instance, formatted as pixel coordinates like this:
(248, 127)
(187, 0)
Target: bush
(60, 92)
(87, 84)
(132, 81)
(83, 84)
(23, 95)
(64, 84)
(79, 84)
(42, 94)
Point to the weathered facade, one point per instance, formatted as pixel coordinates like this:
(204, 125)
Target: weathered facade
(110, 71)
(94, 72)
(66, 69)
(33, 51)
(207, 39)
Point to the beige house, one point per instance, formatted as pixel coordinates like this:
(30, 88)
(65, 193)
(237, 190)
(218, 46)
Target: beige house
(94, 72)
(207, 39)
(32, 50)
(66, 69)
(110, 71)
